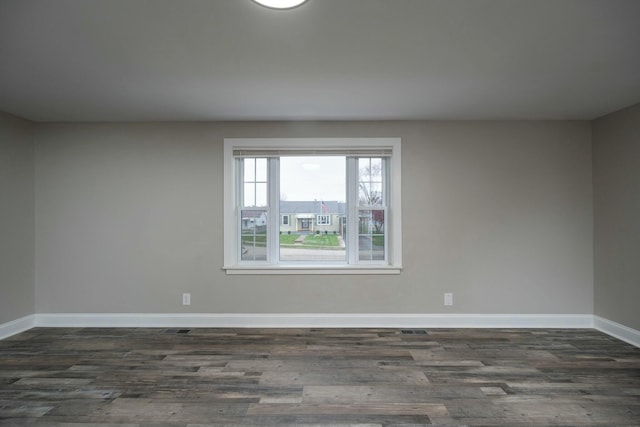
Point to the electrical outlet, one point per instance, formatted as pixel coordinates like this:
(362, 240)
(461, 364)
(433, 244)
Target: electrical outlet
(186, 299)
(448, 298)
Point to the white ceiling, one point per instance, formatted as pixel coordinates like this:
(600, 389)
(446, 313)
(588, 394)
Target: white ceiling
(141, 60)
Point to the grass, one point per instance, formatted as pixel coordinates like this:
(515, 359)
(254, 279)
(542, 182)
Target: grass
(329, 240)
(311, 241)
(378, 240)
(288, 239)
(260, 239)
(248, 239)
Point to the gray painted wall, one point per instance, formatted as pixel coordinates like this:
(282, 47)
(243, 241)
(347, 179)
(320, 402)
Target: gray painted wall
(128, 217)
(616, 178)
(16, 218)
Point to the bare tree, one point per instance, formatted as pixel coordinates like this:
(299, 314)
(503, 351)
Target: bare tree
(369, 196)
(372, 197)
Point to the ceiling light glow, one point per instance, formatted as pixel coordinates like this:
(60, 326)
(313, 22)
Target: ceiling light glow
(280, 4)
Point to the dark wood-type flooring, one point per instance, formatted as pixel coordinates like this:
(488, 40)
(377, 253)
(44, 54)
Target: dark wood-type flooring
(317, 377)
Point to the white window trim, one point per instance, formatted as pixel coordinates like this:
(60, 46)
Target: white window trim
(282, 218)
(394, 214)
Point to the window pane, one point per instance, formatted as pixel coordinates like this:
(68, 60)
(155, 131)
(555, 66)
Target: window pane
(371, 235)
(249, 170)
(249, 195)
(254, 235)
(375, 194)
(370, 182)
(261, 170)
(376, 169)
(313, 194)
(364, 192)
(370, 194)
(261, 194)
(364, 169)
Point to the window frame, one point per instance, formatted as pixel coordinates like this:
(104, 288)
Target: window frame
(313, 146)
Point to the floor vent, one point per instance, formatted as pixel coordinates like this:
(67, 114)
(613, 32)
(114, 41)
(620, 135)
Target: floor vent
(413, 332)
(177, 331)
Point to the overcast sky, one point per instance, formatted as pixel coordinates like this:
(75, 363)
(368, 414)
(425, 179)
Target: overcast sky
(313, 178)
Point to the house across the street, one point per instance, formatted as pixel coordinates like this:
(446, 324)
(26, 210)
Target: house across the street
(253, 219)
(312, 216)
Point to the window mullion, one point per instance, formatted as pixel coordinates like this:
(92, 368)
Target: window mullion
(352, 210)
(273, 203)
(386, 188)
(238, 205)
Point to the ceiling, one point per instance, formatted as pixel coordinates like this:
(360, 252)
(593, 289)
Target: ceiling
(193, 60)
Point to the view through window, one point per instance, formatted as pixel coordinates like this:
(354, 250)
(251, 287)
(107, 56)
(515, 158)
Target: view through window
(313, 208)
(313, 195)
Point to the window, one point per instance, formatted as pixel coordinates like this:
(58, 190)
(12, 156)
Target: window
(323, 219)
(316, 206)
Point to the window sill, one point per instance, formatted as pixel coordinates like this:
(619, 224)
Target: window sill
(280, 269)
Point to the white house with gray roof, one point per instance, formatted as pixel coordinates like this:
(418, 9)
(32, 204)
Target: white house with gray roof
(312, 216)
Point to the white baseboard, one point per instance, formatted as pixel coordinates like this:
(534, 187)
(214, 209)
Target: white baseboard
(321, 320)
(617, 330)
(16, 326)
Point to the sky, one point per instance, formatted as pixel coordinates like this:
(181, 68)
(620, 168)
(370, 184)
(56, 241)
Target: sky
(313, 178)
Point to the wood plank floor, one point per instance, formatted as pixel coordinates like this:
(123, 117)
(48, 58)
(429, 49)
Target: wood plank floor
(317, 377)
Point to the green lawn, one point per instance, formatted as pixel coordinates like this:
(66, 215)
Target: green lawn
(248, 239)
(311, 241)
(329, 240)
(378, 240)
(260, 239)
(288, 239)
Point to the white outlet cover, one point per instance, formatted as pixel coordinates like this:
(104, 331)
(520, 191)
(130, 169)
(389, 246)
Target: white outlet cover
(186, 299)
(448, 298)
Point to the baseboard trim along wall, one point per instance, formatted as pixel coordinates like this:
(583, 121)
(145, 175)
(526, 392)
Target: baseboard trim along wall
(320, 320)
(248, 320)
(617, 330)
(16, 326)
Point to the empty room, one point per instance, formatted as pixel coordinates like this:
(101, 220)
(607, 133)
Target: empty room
(319, 213)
